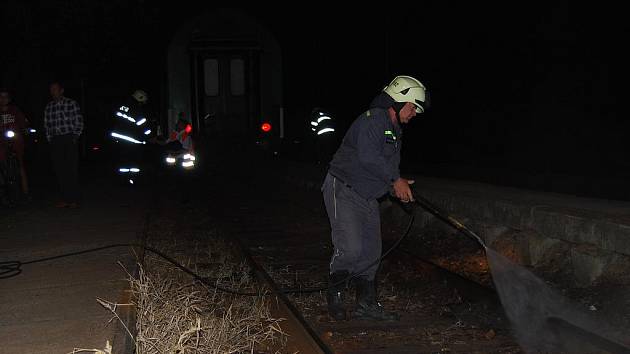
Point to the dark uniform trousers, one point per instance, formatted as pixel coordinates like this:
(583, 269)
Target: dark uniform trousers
(356, 228)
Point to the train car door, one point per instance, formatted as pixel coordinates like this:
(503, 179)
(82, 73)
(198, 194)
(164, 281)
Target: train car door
(226, 95)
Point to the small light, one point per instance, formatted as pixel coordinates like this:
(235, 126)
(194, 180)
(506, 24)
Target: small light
(131, 181)
(266, 127)
(170, 160)
(134, 170)
(188, 164)
(314, 124)
(147, 132)
(141, 121)
(123, 170)
(189, 157)
(32, 130)
(10, 134)
(188, 128)
(95, 148)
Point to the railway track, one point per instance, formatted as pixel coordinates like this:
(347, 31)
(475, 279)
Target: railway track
(419, 331)
(288, 245)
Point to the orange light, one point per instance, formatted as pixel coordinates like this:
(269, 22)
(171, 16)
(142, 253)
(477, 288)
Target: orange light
(266, 127)
(188, 128)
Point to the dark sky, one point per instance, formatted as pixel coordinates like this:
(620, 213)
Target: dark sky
(539, 88)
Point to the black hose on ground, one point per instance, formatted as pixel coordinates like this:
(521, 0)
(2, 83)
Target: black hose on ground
(10, 269)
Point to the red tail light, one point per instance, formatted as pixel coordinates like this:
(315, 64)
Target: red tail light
(266, 127)
(188, 128)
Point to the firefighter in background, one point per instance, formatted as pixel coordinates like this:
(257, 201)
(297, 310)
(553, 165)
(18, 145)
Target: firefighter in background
(323, 132)
(131, 130)
(180, 139)
(132, 117)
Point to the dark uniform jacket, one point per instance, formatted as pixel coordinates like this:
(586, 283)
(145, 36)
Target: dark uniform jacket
(369, 157)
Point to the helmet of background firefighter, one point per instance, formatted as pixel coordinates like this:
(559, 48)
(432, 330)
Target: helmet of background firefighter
(140, 96)
(407, 89)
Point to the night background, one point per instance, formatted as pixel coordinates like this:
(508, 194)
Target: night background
(530, 96)
(206, 219)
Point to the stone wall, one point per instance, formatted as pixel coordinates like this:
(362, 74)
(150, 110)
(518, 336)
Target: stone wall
(587, 239)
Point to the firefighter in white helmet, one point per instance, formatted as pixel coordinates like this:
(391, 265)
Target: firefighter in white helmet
(365, 168)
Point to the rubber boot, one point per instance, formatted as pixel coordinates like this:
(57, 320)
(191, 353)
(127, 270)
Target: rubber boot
(334, 295)
(367, 306)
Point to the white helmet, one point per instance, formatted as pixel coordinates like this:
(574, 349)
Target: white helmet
(408, 89)
(140, 96)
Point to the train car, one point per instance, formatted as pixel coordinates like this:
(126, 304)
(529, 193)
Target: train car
(225, 77)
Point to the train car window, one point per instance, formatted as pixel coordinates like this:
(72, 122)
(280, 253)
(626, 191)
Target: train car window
(237, 77)
(211, 76)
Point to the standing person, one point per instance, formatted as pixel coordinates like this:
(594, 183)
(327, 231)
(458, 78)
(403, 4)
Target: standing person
(131, 129)
(180, 138)
(364, 168)
(323, 128)
(131, 118)
(12, 118)
(64, 124)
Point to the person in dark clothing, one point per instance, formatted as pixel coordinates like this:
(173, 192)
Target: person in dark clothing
(63, 123)
(325, 139)
(131, 129)
(365, 168)
(12, 118)
(179, 139)
(132, 118)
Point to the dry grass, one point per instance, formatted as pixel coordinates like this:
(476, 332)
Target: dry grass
(176, 315)
(106, 350)
(183, 318)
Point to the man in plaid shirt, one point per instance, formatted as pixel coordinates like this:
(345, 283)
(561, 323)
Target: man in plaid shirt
(64, 124)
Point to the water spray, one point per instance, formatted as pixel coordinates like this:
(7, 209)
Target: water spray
(544, 320)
